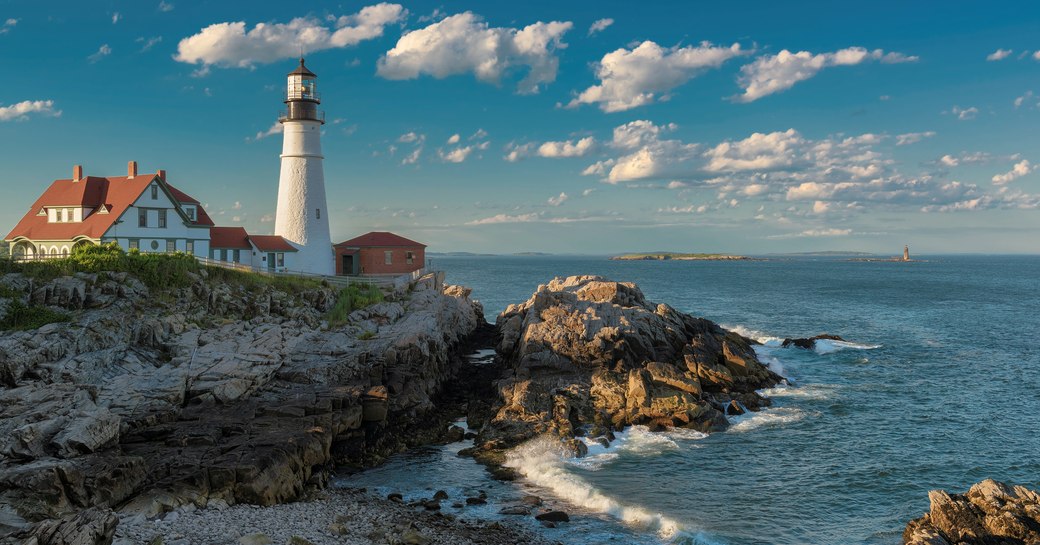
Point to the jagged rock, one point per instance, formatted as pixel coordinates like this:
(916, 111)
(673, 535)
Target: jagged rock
(87, 527)
(990, 513)
(810, 342)
(218, 394)
(586, 351)
(553, 516)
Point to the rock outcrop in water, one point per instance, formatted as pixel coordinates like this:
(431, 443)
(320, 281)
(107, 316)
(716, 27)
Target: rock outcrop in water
(586, 352)
(212, 393)
(990, 513)
(810, 342)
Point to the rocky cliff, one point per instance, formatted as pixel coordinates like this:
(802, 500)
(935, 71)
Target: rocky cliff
(588, 355)
(990, 513)
(147, 400)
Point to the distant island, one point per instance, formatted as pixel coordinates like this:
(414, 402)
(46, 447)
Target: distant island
(826, 253)
(673, 256)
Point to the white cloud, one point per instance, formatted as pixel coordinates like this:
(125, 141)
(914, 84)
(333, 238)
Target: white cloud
(8, 25)
(479, 135)
(116, 17)
(101, 53)
(567, 148)
(600, 25)
(1020, 169)
(506, 218)
(634, 77)
(418, 140)
(949, 160)
(412, 157)
(635, 134)
(461, 153)
(237, 205)
(1026, 98)
(148, 43)
(410, 137)
(516, 152)
(964, 114)
(756, 152)
(454, 139)
(558, 200)
(465, 43)
(267, 218)
(826, 232)
(276, 128)
(998, 55)
(231, 45)
(165, 6)
(1036, 55)
(22, 110)
(774, 73)
(913, 137)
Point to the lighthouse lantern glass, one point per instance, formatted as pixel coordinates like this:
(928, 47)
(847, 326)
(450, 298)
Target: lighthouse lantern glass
(301, 86)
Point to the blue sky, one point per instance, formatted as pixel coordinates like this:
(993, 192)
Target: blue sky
(581, 127)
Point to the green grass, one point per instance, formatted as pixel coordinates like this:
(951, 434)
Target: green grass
(22, 317)
(351, 298)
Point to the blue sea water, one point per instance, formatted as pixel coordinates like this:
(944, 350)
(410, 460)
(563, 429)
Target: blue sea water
(939, 388)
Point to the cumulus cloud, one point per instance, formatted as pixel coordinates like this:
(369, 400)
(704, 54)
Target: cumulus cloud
(756, 152)
(417, 140)
(165, 6)
(963, 114)
(230, 44)
(1027, 99)
(630, 78)
(465, 43)
(774, 73)
(454, 139)
(116, 17)
(1036, 55)
(101, 53)
(461, 153)
(558, 200)
(8, 25)
(1020, 169)
(913, 137)
(22, 110)
(600, 25)
(506, 218)
(410, 137)
(551, 149)
(998, 55)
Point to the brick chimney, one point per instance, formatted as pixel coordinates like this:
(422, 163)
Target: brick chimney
(131, 169)
(162, 175)
(77, 173)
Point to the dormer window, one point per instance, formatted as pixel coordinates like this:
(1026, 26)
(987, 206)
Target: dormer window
(64, 215)
(190, 212)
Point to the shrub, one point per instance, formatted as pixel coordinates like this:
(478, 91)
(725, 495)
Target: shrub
(351, 298)
(22, 317)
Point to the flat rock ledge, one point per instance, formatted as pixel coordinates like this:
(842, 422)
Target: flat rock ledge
(586, 355)
(990, 513)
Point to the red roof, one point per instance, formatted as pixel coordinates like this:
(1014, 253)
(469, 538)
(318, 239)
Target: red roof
(113, 194)
(271, 243)
(379, 239)
(229, 237)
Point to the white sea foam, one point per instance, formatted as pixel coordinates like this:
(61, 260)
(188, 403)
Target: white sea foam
(759, 336)
(768, 418)
(827, 346)
(544, 464)
(809, 391)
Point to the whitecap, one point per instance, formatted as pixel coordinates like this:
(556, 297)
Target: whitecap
(754, 334)
(810, 391)
(768, 418)
(543, 463)
(827, 346)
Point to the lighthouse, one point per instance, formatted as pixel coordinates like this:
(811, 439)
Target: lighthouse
(302, 215)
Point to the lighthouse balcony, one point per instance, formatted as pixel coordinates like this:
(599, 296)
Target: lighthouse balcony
(303, 93)
(298, 114)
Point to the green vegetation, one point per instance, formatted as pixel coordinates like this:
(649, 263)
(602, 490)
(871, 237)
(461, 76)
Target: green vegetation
(662, 256)
(351, 298)
(159, 272)
(22, 317)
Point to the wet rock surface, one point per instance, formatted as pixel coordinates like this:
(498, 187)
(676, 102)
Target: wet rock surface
(216, 393)
(588, 355)
(990, 513)
(808, 343)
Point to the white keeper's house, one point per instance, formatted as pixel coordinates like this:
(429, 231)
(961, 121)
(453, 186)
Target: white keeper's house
(137, 211)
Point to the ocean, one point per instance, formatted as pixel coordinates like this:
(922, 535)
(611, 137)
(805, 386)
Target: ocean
(938, 387)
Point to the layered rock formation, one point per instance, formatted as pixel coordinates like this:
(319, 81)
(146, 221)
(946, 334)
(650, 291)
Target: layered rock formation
(216, 392)
(990, 513)
(585, 353)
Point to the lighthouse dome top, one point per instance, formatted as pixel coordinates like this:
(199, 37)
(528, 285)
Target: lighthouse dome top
(302, 70)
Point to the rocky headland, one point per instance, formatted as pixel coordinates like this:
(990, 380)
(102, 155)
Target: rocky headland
(215, 393)
(990, 513)
(589, 356)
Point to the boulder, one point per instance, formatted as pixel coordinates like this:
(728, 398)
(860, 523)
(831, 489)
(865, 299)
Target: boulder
(553, 516)
(809, 343)
(990, 512)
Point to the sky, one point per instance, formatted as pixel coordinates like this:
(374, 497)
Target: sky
(568, 127)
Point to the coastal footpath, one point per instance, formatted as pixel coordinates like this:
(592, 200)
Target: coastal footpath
(221, 391)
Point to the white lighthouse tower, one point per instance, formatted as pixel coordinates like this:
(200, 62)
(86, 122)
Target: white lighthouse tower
(302, 215)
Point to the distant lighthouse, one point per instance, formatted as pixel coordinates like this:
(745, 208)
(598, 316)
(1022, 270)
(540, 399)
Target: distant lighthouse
(906, 253)
(302, 216)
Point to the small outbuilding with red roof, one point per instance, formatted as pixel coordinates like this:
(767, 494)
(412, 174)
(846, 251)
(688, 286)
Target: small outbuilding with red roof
(379, 253)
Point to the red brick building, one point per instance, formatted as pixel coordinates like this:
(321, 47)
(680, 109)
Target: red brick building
(379, 252)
